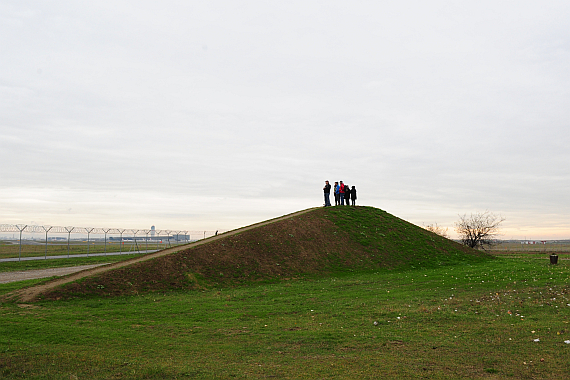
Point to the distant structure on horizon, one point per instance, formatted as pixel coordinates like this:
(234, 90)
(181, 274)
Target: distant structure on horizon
(152, 231)
(533, 242)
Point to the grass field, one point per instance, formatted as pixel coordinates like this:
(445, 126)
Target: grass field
(510, 248)
(499, 318)
(476, 321)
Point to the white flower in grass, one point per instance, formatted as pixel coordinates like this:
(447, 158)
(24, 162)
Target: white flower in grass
(567, 341)
(537, 340)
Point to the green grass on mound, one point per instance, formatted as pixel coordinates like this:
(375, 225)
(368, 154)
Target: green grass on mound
(320, 242)
(400, 244)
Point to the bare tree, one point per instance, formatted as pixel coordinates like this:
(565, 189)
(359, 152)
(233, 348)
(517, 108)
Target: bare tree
(437, 230)
(478, 230)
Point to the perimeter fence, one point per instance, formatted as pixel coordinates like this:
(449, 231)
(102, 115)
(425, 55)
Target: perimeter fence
(30, 241)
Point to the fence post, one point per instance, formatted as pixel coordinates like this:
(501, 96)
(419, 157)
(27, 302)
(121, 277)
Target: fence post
(135, 239)
(21, 229)
(168, 235)
(68, 238)
(121, 241)
(105, 231)
(46, 230)
(88, 229)
(146, 239)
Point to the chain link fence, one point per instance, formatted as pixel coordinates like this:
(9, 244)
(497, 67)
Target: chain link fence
(27, 242)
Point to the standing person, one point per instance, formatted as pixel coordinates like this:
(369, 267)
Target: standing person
(353, 195)
(327, 190)
(341, 193)
(336, 194)
(347, 194)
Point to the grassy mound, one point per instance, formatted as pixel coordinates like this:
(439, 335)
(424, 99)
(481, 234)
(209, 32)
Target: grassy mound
(320, 242)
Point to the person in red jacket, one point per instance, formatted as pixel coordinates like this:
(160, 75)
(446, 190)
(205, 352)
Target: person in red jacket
(341, 193)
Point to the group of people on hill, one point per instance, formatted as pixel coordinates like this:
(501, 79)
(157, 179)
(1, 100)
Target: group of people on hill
(342, 193)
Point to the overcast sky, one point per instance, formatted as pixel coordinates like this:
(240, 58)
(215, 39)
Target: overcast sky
(218, 114)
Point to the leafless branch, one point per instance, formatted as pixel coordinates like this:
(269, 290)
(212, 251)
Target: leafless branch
(478, 230)
(437, 230)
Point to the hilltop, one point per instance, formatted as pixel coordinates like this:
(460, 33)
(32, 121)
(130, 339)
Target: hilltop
(322, 241)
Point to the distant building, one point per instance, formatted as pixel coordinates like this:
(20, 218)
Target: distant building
(175, 237)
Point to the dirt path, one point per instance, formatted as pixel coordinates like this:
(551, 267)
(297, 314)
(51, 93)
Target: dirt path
(29, 294)
(6, 277)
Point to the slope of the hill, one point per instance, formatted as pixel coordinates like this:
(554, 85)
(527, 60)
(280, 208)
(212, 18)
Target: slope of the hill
(323, 241)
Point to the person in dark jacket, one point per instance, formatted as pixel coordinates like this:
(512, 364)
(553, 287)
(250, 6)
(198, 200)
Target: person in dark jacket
(353, 195)
(327, 192)
(347, 194)
(336, 194)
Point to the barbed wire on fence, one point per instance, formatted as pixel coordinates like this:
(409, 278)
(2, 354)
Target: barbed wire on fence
(72, 229)
(126, 234)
